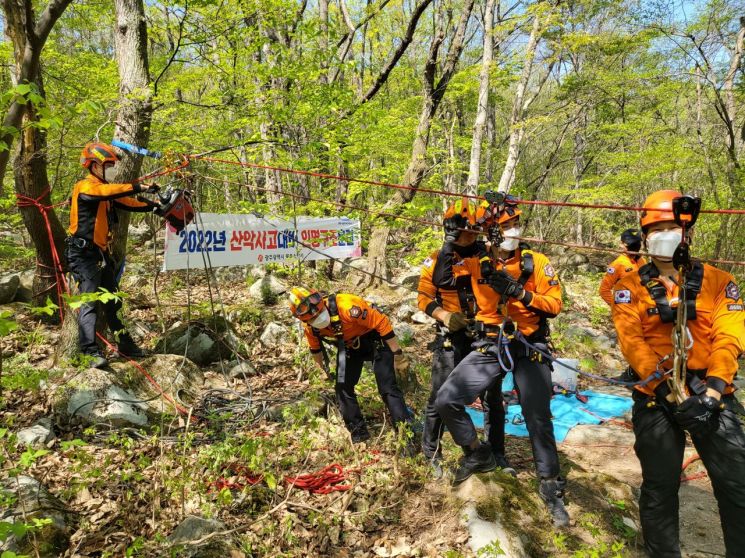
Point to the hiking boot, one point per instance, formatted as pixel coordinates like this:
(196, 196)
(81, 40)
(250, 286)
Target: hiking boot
(128, 348)
(360, 436)
(503, 464)
(552, 492)
(480, 460)
(96, 360)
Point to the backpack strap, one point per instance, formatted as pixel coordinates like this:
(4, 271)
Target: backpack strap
(649, 275)
(341, 348)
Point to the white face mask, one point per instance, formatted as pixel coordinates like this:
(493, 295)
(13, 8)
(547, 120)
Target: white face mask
(109, 173)
(662, 244)
(322, 320)
(510, 244)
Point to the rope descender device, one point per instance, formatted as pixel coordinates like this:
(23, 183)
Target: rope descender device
(685, 211)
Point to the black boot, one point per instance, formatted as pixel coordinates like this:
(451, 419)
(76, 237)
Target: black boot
(96, 360)
(128, 348)
(503, 464)
(480, 460)
(552, 492)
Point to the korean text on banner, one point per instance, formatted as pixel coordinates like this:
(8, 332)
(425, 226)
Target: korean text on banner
(220, 240)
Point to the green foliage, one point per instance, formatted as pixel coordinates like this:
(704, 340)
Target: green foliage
(268, 298)
(7, 324)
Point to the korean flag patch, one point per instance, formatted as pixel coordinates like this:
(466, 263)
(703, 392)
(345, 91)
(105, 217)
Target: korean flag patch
(427, 262)
(622, 296)
(611, 270)
(732, 291)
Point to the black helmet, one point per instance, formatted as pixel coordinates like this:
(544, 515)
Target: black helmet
(632, 239)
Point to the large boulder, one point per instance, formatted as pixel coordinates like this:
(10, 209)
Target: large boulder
(267, 284)
(94, 397)
(274, 335)
(33, 501)
(422, 318)
(202, 342)
(405, 312)
(25, 292)
(8, 287)
(193, 529)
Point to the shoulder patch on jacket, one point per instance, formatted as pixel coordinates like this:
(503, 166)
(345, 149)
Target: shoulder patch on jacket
(735, 307)
(611, 270)
(548, 270)
(427, 262)
(732, 291)
(622, 296)
(355, 311)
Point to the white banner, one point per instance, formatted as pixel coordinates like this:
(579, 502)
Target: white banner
(219, 240)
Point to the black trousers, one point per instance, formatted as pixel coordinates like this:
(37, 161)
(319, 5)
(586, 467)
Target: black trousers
(92, 269)
(660, 444)
(480, 372)
(371, 349)
(447, 354)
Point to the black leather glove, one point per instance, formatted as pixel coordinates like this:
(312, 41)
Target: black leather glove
(504, 284)
(150, 188)
(699, 414)
(452, 230)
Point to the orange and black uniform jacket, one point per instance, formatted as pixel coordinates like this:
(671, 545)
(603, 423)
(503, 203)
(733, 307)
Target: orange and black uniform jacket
(92, 202)
(430, 296)
(357, 318)
(718, 331)
(543, 284)
(621, 266)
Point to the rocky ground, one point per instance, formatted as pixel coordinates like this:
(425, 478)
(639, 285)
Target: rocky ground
(193, 453)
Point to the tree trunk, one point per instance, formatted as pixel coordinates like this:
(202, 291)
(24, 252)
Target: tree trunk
(432, 95)
(135, 101)
(517, 116)
(27, 56)
(30, 169)
(472, 183)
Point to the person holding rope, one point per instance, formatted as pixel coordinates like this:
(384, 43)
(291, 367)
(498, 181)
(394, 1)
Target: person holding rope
(454, 308)
(516, 291)
(93, 207)
(646, 307)
(361, 333)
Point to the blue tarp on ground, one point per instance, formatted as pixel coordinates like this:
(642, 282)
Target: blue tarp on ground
(567, 412)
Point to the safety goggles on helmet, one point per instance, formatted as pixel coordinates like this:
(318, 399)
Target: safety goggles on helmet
(510, 210)
(98, 153)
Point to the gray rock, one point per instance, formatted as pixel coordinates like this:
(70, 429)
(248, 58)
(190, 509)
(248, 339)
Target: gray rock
(33, 501)
(403, 331)
(25, 290)
(97, 399)
(257, 271)
(409, 279)
(37, 435)
(194, 528)
(587, 268)
(575, 260)
(233, 273)
(405, 311)
(139, 234)
(274, 334)
(422, 318)
(201, 342)
(377, 300)
(8, 287)
(270, 282)
(243, 369)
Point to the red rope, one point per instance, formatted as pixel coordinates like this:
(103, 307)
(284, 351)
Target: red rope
(327, 480)
(443, 192)
(60, 281)
(700, 475)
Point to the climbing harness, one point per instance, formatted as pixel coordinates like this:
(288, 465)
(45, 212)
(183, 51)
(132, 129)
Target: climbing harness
(336, 326)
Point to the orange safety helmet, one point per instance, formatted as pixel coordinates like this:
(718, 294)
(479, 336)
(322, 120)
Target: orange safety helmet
(463, 211)
(510, 210)
(661, 204)
(98, 153)
(305, 304)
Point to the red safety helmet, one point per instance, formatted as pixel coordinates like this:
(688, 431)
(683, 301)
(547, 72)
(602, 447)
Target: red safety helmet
(305, 304)
(98, 153)
(661, 204)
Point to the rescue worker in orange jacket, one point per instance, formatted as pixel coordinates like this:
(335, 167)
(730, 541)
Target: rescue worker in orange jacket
(644, 312)
(361, 333)
(92, 212)
(514, 289)
(624, 264)
(454, 308)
